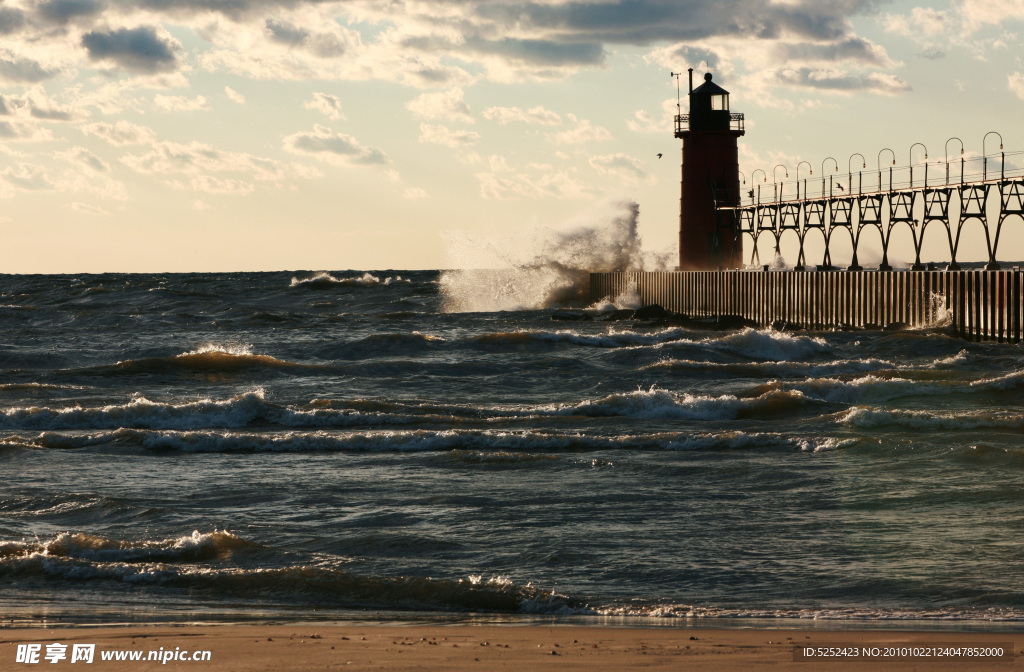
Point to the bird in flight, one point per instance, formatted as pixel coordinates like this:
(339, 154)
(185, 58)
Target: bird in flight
(659, 155)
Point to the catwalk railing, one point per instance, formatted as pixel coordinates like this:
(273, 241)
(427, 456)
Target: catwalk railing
(953, 194)
(977, 305)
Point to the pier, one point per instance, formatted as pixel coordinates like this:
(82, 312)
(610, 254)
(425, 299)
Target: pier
(974, 197)
(722, 214)
(979, 305)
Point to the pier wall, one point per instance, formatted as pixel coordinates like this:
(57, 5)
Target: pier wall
(978, 305)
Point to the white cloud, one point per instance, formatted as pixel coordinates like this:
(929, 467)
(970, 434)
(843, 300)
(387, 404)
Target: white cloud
(325, 144)
(234, 96)
(24, 131)
(643, 122)
(88, 209)
(442, 135)
(980, 13)
(202, 167)
(621, 167)
(80, 156)
(25, 177)
(180, 103)
(533, 181)
(584, 131)
(326, 104)
(415, 192)
(447, 105)
(921, 21)
(534, 115)
(1016, 82)
(120, 134)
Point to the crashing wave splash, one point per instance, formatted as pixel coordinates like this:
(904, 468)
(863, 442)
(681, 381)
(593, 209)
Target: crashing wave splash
(552, 269)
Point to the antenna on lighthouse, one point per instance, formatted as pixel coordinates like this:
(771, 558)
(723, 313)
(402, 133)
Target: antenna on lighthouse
(679, 108)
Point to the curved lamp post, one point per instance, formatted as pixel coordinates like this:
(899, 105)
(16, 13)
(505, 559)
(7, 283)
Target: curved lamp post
(961, 158)
(910, 161)
(798, 178)
(879, 165)
(764, 179)
(984, 154)
(778, 192)
(836, 164)
(849, 170)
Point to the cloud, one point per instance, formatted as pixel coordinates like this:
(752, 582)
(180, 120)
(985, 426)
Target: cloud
(583, 132)
(204, 168)
(326, 104)
(534, 115)
(234, 96)
(120, 134)
(63, 11)
(932, 53)
(540, 52)
(23, 131)
(447, 105)
(26, 177)
(643, 122)
(88, 209)
(1016, 82)
(180, 103)
(854, 49)
(980, 13)
(442, 135)
(621, 167)
(643, 22)
(140, 50)
(20, 70)
(415, 192)
(83, 157)
(323, 44)
(841, 82)
(534, 181)
(325, 144)
(11, 20)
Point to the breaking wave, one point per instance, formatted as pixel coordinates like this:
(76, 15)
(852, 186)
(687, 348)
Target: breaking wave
(324, 280)
(552, 269)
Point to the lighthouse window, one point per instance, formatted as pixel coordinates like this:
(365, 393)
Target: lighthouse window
(720, 102)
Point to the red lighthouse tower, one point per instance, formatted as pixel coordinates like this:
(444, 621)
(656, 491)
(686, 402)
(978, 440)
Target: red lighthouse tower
(710, 177)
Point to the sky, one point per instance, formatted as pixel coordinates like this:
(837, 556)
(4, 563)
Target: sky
(237, 135)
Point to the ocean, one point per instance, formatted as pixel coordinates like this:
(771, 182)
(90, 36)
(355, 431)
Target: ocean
(387, 445)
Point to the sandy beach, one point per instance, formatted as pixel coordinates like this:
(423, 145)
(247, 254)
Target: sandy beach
(318, 647)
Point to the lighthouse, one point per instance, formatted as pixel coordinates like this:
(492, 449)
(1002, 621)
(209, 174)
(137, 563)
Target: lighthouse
(710, 178)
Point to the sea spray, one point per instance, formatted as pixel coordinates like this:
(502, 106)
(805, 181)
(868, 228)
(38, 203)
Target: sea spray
(552, 270)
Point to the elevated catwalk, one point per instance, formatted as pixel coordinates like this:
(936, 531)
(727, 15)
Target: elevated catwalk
(978, 305)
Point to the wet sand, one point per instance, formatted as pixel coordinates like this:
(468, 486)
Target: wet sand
(243, 648)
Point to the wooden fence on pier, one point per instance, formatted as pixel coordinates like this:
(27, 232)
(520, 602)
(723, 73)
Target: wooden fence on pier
(978, 305)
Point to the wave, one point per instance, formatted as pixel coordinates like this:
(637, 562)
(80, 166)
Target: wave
(238, 411)
(206, 563)
(750, 344)
(559, 605)
(1009, 381)
(80, 546)
(782, 369)
(252, 407)
(771, 345)
(206, 358)
(656, 404)
(612, 338)
(324, 280)
(871, 418)
(467, 445)
(546, 269)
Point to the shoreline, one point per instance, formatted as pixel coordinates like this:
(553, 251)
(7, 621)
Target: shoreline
(459, 647)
